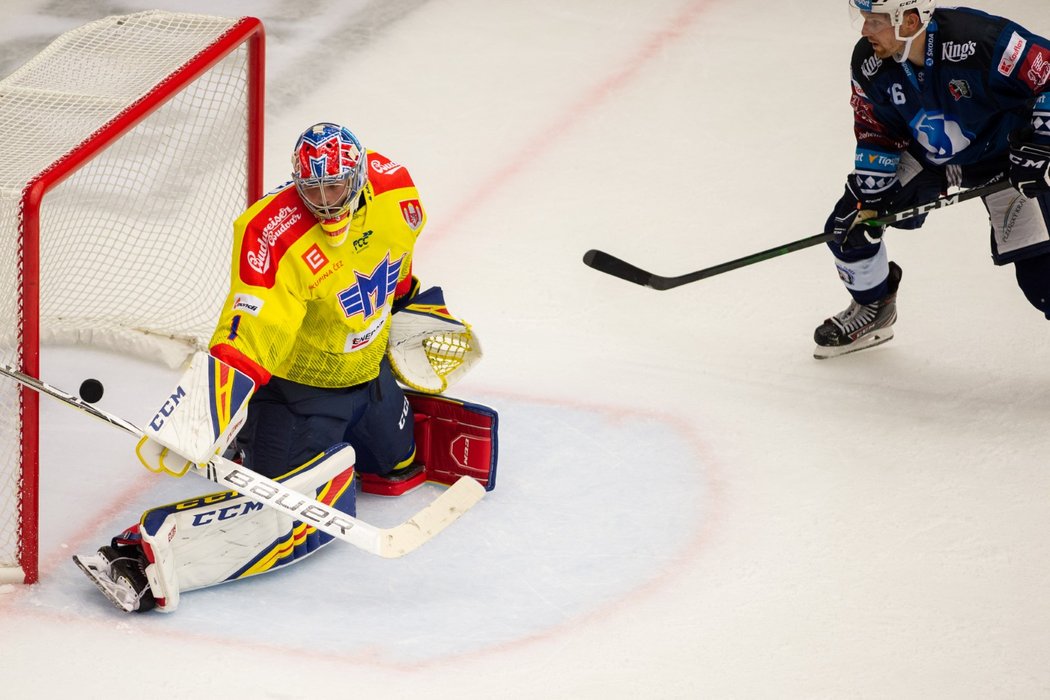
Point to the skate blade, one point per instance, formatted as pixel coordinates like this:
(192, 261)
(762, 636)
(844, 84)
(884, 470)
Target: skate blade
(878, 337)
(90, 566)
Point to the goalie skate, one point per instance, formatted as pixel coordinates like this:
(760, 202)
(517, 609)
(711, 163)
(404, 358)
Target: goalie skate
(859, 326)
(119, 576)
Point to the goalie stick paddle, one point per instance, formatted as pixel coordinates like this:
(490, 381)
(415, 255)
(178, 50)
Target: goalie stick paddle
(389, 543)
(612, 265)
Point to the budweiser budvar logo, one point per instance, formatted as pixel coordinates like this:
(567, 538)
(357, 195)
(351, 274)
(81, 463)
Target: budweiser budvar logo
(385, 168)
(285, 218)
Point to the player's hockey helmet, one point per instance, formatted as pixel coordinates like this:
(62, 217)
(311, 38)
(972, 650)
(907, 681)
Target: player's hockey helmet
(896, 9)
(330, 170)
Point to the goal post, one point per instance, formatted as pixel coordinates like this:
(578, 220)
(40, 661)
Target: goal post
(130, 145)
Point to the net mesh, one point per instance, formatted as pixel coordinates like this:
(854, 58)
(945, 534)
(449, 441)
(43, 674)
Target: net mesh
(135, 243)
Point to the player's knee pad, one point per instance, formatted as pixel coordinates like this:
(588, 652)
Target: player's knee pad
(224, 536)
(864, 272)
(1033, 277)
(275, 435)
(383, 436)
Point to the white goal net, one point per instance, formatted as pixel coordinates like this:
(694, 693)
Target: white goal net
(129, 146)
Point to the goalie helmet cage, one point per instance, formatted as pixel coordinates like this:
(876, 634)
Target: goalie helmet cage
(130, 145)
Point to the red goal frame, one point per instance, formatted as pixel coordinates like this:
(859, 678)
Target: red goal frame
(248, 30)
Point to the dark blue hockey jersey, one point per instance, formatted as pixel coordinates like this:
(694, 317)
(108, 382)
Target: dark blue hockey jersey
(984, 76)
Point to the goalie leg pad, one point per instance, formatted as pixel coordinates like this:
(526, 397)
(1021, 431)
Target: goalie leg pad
(224, 536)
(455, 438)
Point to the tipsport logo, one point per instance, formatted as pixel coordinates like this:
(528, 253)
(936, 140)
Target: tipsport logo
(371, 291)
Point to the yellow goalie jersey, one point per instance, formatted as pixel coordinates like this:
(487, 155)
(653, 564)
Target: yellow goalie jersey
(305, 311)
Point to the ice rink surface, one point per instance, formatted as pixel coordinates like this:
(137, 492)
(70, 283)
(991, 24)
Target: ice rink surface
(688, 504)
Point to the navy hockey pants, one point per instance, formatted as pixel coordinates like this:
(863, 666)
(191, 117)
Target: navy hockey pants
(290, 423)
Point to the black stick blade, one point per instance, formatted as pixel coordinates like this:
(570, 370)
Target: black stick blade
(611, 265)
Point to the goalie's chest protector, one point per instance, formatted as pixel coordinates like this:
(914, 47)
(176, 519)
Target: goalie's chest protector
(320, 315)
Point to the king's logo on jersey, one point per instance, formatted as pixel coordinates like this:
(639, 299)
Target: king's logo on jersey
(957, 53)
(871, 66)
(371, 291)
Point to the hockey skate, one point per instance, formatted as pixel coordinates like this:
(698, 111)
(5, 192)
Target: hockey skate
(120, 573)
(860, 326)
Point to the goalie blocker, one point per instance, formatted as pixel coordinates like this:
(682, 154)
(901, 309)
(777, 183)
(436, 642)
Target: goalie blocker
(453, 438)
(429, 350)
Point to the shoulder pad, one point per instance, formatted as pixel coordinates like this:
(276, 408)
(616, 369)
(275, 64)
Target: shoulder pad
(865, 64)
(385, 175)
(268, 233)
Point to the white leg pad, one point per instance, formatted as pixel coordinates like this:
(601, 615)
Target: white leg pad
(224, 536)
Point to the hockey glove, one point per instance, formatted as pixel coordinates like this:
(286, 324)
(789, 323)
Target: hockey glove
(844, 223)
(429, 349)
(1029, 164)
(845, 220)
(199, 418)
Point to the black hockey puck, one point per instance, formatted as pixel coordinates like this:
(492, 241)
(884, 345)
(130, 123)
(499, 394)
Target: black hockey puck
(91, 390)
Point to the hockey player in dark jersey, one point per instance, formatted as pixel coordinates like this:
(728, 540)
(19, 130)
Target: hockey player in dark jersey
(941, 97)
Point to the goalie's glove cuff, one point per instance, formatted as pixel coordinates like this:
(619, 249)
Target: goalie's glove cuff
(404, 300)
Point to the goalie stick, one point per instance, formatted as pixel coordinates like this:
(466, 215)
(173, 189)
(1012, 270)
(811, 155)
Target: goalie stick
(612, 265)
(389, 543)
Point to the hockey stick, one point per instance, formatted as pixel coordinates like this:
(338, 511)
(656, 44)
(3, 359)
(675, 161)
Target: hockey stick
(611, 265)
(389, 543)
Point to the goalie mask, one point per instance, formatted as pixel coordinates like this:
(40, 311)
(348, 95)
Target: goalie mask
(330, 171)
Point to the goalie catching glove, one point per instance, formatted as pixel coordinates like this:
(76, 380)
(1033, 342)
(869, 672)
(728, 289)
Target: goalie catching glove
(429, 349)
(199, 419)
